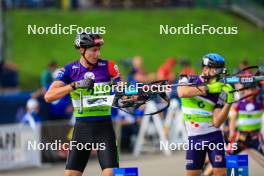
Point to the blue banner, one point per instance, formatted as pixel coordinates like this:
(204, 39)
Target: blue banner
(133, 171)
(237, 165)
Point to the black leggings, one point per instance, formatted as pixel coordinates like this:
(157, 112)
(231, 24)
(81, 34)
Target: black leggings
(94, 134)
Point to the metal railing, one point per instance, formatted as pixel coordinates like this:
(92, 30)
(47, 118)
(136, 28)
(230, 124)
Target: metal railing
(250, 10)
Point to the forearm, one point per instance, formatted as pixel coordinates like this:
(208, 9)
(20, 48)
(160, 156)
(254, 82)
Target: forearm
(57, 93)
(221, 115)
(232, 125)
(188, 91)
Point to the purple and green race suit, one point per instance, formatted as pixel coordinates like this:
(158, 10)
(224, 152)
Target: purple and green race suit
(249, 114)
(102, 73)
(198, 117)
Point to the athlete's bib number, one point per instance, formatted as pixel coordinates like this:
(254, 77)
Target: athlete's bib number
(92, 101)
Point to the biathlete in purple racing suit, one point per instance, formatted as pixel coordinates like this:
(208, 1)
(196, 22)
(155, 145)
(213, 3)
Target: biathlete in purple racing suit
(205, 107)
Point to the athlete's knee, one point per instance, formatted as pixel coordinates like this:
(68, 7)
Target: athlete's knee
(219, 171)
(108, 172)
(193, 172)
(72, 173)
(220, 174)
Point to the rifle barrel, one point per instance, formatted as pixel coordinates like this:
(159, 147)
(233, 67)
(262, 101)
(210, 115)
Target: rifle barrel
(243, 80)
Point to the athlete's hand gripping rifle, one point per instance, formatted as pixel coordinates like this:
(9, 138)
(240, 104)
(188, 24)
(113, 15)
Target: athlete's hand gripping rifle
(139, 96)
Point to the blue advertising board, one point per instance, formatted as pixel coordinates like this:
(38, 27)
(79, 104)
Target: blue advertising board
(133, 171)
(237, 165)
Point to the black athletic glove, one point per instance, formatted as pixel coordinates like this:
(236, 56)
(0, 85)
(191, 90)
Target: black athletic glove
(84, 83)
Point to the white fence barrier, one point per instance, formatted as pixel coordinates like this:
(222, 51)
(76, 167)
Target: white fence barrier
(174, 123)
(145, 127)
(14, 151)
(171, 130)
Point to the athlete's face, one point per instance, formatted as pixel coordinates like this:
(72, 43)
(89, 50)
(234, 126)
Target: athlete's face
(207, 71)
(91, 54)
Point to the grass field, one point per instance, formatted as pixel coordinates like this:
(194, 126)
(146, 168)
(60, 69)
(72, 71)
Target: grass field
(129, 33)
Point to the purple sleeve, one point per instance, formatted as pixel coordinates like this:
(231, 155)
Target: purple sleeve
(64, 75)
(185, 79)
